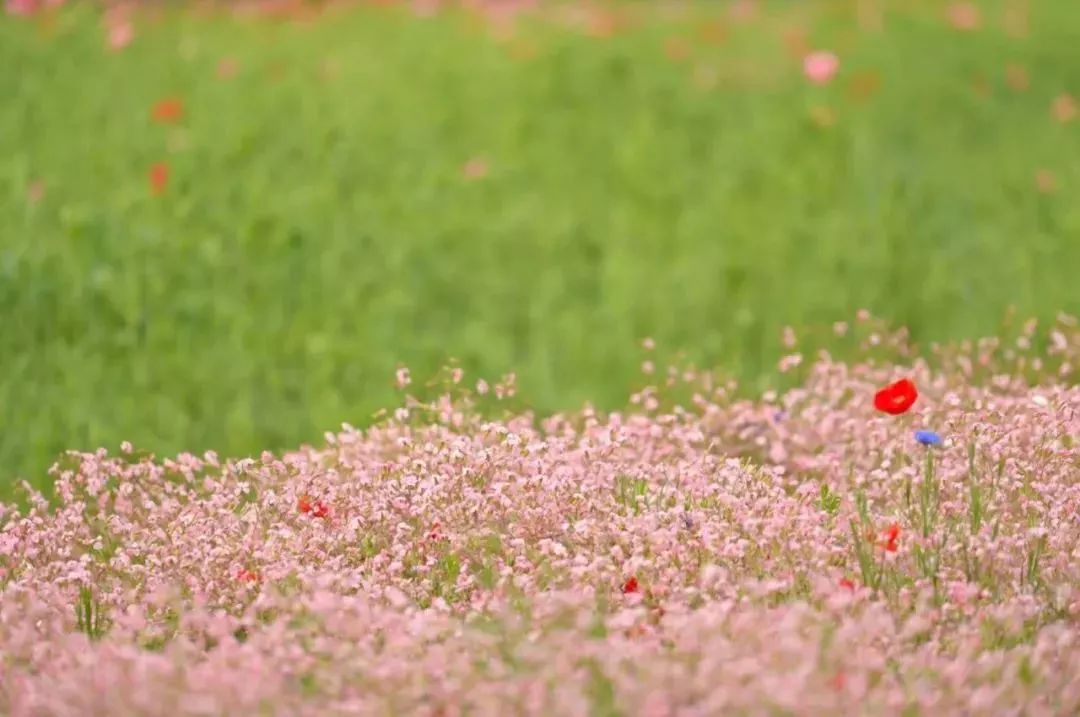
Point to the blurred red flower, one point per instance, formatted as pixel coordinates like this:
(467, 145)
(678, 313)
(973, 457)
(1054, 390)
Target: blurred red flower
(316, 508)
(630, 586)
(892, 538)
(159, 177)
(896, 398)
(168, 110)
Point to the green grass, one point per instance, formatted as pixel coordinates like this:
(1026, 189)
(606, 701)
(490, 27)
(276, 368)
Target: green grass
(317, 230)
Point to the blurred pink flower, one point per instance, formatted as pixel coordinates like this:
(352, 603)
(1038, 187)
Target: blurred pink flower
(1045, 181)
(744, 9)
(677, 49)
(964, 16)
(475, 168)
(1064, 108)
(425, 8)
(119, 35)
(820, 66)
(1017, 77)
(20, 7)
(35, 191)
(227, 68)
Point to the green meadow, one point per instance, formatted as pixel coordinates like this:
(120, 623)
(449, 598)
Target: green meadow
(367, 189)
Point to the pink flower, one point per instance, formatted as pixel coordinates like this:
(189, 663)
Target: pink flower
(475, 168)
(964, 16)
(20, 7)
(820, 66)
(119, 35)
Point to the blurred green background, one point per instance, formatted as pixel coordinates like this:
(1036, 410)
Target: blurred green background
(369, 188)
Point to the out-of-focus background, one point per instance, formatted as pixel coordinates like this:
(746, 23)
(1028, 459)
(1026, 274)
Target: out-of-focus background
(225, 226)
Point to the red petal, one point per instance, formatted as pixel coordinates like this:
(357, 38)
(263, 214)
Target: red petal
(896, 398)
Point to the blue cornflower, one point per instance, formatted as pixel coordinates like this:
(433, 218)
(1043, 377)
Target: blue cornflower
(928, 438)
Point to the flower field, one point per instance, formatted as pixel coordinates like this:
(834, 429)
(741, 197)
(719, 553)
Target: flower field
(897, 535)
(225, 224)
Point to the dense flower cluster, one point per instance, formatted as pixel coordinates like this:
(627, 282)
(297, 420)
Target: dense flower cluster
(797, 554)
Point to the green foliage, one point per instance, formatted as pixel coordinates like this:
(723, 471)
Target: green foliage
(90, 617)
(830, 502)
(318, 231)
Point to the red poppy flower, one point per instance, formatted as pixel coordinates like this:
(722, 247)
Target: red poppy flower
(168, 110)
(892, 538)
(896, 398)
(847, 584)
(247, 576)
(159, 177)
(630, 586)
(316, 508)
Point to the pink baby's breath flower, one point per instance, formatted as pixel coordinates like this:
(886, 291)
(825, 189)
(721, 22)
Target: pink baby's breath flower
(820, 66)
(402, 378)
(468, 549)
(789, 362)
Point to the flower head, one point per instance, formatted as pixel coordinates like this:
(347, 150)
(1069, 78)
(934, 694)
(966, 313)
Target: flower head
(159, 177)
(630, 586)
(928, 438)
(892, 538)
(247, 576)
(168, 110)
(819, 67)
(315, 508)
(896, 398)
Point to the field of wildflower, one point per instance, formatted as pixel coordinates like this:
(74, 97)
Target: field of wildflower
(224, 226)
(888, 537)
(446, 227)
